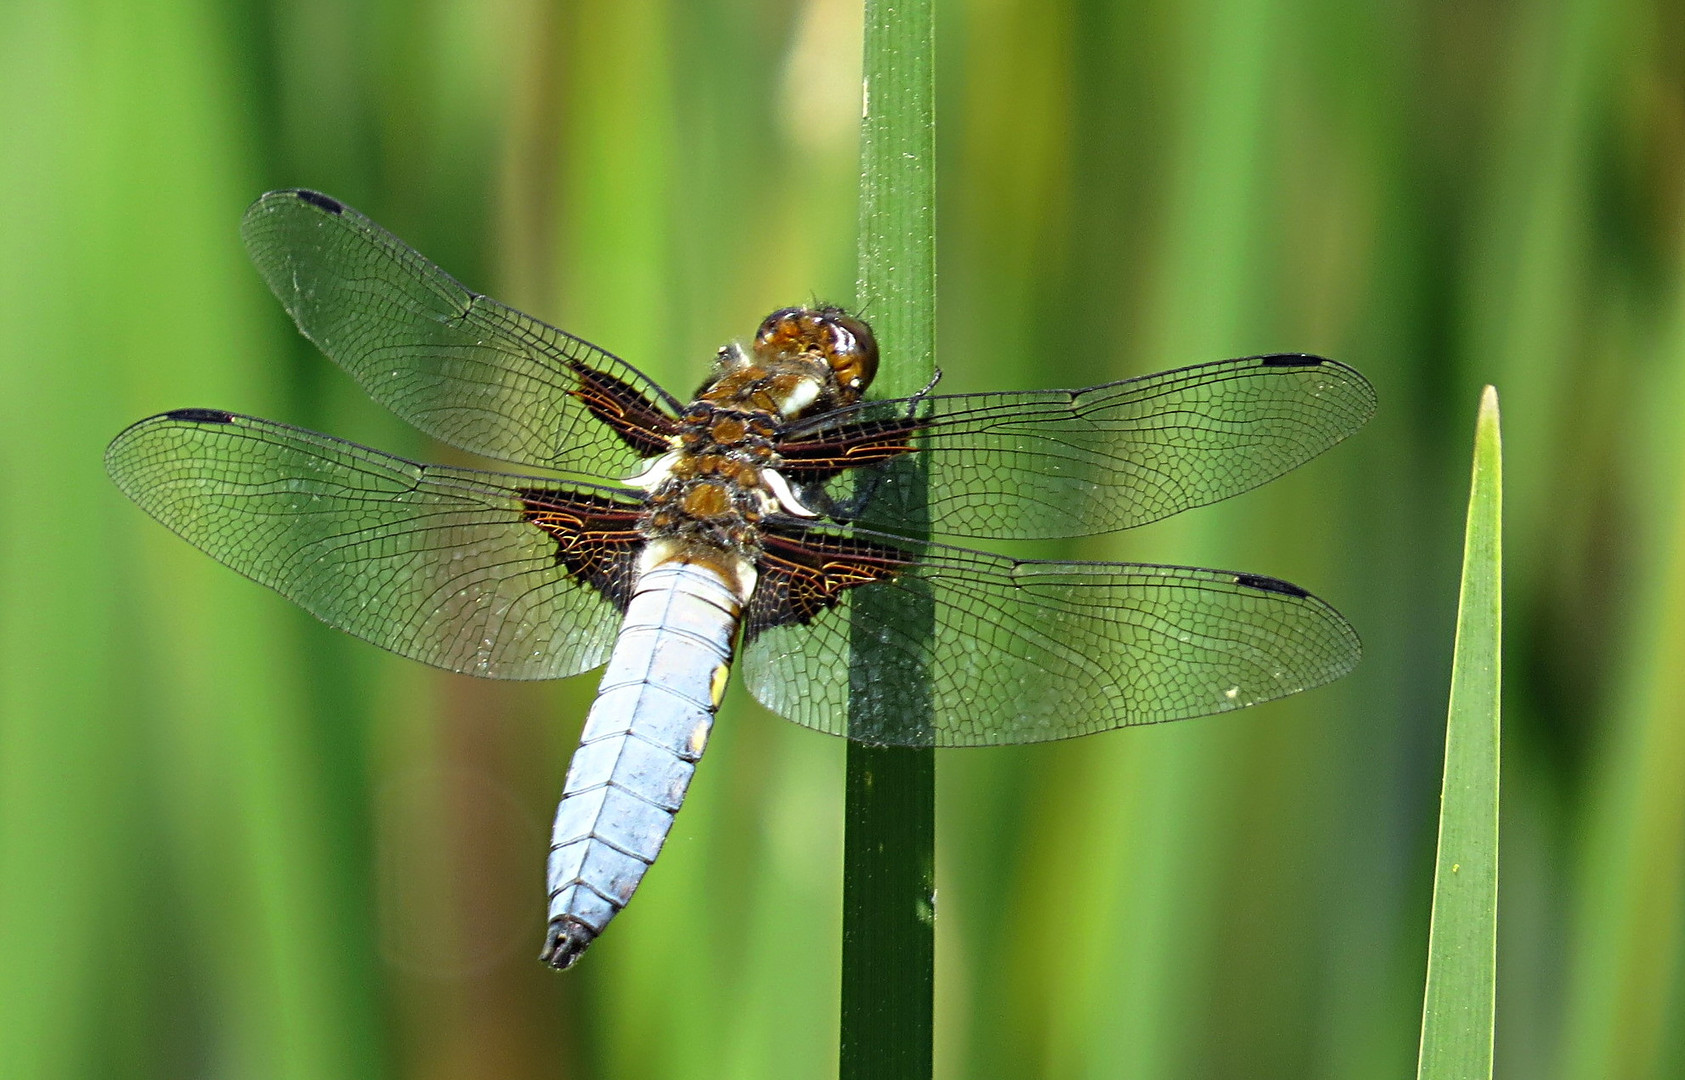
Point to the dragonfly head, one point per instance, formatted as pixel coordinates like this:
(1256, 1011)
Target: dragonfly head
(843, 344)
(802, 361)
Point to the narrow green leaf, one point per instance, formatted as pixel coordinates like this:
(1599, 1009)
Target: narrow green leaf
(1459, 1006)
(888, 968)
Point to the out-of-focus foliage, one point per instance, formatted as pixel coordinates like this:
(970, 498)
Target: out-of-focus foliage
(236, 844)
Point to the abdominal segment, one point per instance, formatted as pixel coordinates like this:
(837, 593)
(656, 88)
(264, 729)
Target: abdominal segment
(642, 738)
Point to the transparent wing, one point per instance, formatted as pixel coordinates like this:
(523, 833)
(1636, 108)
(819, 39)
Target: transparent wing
(459, 366)
(1021, 652)
(1053, 463)
(459, 569)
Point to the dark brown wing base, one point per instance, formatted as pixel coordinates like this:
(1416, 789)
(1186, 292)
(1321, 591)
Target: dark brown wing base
(597, 538)
(804, 573)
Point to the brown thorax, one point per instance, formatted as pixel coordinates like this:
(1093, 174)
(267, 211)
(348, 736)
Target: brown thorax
(719, 480)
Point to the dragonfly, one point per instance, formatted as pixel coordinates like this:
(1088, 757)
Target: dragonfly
(779, 519)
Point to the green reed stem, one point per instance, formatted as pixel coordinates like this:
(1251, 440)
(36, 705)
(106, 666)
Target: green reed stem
(889, 854)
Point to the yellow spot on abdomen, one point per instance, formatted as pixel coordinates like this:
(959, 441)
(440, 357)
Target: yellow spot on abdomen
(716, 689)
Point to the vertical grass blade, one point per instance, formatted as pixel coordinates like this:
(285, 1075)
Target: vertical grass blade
(1458, 1009)
(889, 858)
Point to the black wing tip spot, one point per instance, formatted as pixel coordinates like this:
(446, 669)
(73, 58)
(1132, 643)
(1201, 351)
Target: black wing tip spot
(1269, 584)
(1292, 360)
(320, 201)
(201, 416)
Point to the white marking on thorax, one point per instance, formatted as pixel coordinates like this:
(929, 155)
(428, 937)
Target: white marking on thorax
(782, 494)
(803, 394)
(655, 473)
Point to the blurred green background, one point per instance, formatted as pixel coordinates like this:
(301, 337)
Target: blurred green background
(236, 844)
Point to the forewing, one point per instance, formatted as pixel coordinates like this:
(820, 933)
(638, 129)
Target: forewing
(460, 366)
(498, 576)
(1052, 463)
(1018, 651)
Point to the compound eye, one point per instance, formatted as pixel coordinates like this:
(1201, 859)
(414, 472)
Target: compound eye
(780, 328)
(853, 353)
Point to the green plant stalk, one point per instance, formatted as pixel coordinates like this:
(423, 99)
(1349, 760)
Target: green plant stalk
(1459, 1007)
(888, 965)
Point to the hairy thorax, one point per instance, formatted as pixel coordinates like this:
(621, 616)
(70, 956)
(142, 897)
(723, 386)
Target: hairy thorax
(713, 490)
(710, 491)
